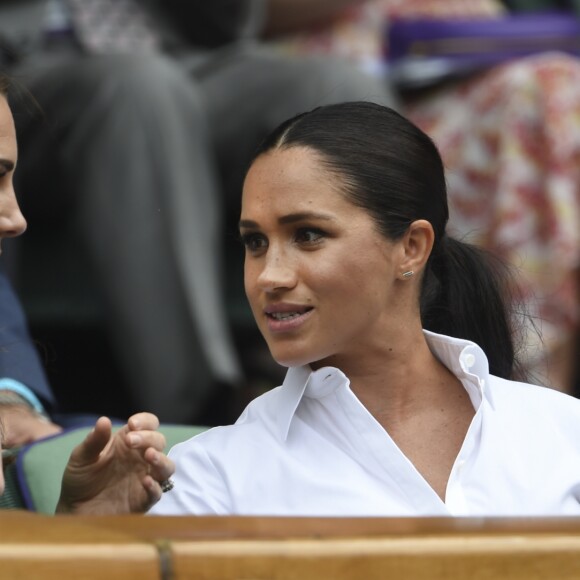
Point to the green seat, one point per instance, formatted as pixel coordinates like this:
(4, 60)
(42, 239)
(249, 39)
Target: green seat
(33, 482)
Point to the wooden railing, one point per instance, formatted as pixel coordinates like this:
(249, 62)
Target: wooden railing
(107, 548)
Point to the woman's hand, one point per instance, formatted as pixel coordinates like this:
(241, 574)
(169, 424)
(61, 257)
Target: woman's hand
(116, 474)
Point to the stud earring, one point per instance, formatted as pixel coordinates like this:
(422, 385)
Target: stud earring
(407, 274)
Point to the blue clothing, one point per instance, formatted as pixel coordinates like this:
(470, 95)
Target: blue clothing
(19, 359)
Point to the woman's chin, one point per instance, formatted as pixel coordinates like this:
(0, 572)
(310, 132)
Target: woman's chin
(294, 352)
(288, 360)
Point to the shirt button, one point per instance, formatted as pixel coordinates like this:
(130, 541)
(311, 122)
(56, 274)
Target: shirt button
(460, 466)
(469, 360)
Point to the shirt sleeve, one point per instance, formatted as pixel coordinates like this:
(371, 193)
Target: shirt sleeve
(199, 488)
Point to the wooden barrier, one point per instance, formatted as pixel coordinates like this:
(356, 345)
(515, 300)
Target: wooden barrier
(34, 546)
(47, 548)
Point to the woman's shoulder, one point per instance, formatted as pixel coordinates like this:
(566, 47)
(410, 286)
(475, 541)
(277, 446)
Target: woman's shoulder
(256, 424)
(534, 401)
(513, 388)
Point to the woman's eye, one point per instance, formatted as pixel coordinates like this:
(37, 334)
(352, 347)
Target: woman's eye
(308, 235)
(5, 168)
(254, 242)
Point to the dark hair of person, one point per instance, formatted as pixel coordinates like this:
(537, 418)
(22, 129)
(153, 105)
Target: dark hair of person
(4, 84)
(20, 98)
(393, 170)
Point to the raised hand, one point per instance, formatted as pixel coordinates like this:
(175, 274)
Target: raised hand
(116, 473)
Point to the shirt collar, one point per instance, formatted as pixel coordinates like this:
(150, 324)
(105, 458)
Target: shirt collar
(291, 393)
(465, 359)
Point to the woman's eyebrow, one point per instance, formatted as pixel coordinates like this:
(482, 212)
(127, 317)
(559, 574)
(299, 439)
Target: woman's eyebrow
(249, 224)
(302, 216)
(288, 219)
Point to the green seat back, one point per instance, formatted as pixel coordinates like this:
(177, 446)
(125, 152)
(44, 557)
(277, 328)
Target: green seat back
(40, 466)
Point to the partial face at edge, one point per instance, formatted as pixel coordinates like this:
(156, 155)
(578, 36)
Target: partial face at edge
(12, 222)
(320, 278)
(10, 217)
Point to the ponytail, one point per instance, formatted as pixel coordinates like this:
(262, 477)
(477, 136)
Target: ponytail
(467, 293)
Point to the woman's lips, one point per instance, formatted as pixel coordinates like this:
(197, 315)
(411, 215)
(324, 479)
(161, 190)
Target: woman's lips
(287, 319)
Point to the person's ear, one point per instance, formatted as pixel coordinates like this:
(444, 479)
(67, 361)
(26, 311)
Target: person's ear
(417, 244)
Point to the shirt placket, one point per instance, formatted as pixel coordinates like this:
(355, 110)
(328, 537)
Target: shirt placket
(385, 460)
(455, 495)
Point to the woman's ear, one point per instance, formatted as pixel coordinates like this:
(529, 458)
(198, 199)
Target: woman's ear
(417, 245)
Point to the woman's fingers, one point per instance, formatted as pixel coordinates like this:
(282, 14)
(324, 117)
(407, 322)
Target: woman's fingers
(142, 440)
(153, 490)
(94, 442)
(143, 422)
(160, 466)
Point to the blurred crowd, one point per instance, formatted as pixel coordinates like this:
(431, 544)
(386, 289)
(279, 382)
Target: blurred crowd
(134, 134)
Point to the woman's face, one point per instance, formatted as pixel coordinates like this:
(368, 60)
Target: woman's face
(320, 279)
(12, 222)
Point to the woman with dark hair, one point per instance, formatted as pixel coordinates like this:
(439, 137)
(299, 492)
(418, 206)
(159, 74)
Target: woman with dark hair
(401, 396)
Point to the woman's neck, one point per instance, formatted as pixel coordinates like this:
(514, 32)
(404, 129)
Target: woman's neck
(400, 379)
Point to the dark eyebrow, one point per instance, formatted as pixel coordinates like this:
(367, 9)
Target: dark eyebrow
(288, 219)
(300, 217)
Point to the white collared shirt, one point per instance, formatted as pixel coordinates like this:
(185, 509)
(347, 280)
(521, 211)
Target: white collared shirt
(310, 448)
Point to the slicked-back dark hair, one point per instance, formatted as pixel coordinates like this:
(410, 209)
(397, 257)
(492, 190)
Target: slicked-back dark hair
(393, 170)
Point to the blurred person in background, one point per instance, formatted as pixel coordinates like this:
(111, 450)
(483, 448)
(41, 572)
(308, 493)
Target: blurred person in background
(149, 114)
(106, 473)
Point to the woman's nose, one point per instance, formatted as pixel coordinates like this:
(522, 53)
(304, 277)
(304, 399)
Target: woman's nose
(277, 273)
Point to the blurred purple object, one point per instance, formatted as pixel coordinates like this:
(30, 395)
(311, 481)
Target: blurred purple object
(424, 51)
